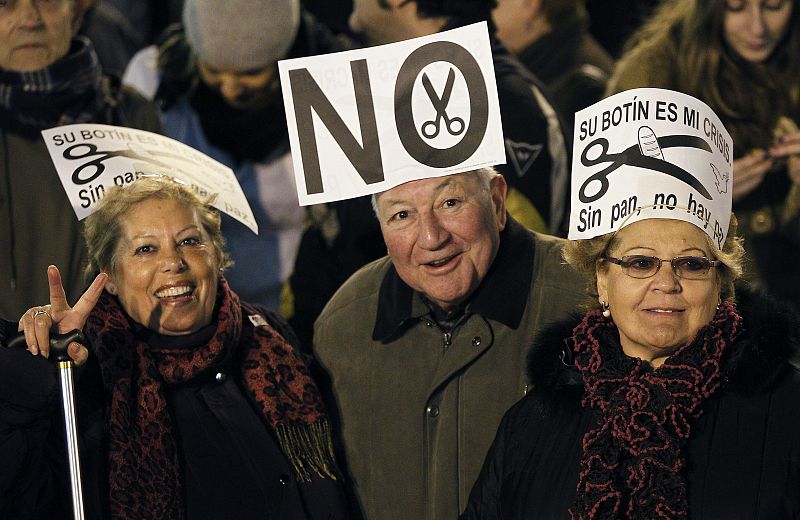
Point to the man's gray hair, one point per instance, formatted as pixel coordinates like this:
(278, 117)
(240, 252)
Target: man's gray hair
(485, 176)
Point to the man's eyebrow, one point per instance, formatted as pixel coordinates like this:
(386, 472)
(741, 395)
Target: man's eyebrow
(446, 182)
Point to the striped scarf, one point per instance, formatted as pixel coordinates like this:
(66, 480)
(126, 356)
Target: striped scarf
(65, 92)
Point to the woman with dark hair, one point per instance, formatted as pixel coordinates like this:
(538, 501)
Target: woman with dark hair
(742, 58)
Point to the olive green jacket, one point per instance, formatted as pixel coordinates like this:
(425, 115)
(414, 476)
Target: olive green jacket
(418, 407)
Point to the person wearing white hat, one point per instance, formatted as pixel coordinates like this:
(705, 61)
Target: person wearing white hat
(345, 237)
(215, 80)
(672, 397)
(425, 347)
(742, 57)
(191, 403)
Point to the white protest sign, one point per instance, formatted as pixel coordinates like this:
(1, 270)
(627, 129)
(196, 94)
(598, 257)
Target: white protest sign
(655, 149)
(364, 121)
(92, 158)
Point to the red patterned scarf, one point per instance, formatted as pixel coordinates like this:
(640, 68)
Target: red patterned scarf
(144, 473)
(633, 460)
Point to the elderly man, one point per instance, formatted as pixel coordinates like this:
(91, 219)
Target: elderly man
(426, 347)
(344, 238)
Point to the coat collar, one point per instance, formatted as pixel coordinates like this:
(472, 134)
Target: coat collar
(770, 341)
(501, 296)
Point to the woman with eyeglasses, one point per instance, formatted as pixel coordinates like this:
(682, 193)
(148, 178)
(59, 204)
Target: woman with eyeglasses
(742, 58)
(667, 401)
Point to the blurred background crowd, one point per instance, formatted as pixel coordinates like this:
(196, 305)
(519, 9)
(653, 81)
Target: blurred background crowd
(220, 93)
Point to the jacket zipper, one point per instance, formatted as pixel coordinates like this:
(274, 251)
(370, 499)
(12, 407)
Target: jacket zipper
(447, 337)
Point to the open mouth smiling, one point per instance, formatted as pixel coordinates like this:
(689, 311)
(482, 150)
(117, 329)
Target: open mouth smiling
(175, 291)
(442, 262)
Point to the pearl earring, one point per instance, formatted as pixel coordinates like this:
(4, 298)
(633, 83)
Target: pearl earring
(606, 310)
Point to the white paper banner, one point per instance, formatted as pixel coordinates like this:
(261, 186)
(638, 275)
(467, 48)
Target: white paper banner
(366, 120)
(653, 148)
(92, 158)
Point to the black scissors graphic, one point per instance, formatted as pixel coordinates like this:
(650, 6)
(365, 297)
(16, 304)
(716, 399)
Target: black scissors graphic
(632, 156)
(99, 157)
(430, 129)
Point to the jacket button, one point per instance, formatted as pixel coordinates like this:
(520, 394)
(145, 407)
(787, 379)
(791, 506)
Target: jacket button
(476, 341)
(433, 411)
(283, 480)
(220, 377)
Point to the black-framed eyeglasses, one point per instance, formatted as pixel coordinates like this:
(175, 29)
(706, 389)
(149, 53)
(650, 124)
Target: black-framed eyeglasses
(686, 267)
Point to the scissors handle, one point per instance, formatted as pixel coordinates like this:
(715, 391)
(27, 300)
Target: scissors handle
(456, 121)
(429, 132)
(96, 162)
(602, 175)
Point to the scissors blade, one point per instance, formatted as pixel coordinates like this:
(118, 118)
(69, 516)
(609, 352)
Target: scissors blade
(448, 87)
(435, 101)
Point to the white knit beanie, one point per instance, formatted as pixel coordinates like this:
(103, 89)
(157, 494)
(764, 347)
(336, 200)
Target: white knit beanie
(241, 34)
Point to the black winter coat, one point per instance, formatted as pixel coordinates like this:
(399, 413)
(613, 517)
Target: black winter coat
(256, 477)
(743, 456)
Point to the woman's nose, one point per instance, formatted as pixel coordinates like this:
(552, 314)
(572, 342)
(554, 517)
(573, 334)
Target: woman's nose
(757, 25)
(172, 261)
(666, 279)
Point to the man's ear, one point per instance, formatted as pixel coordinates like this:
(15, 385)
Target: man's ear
(499, 189)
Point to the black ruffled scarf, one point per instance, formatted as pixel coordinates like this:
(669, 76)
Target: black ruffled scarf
(66, 92)
(633, 459)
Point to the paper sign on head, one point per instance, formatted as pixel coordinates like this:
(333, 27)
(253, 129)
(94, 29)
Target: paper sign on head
(650, 153)
(92, 158)
(364, 121)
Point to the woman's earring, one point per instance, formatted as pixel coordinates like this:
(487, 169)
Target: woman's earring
(606, 310)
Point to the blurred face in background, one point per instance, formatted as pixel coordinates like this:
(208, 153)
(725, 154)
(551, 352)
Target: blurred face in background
(34, 33)
(513, 20)
(380, 21)
(241, 89)
(754, 28)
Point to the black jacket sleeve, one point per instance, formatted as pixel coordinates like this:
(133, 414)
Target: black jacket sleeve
(28, 397)
(7, 329)
(484, 499)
